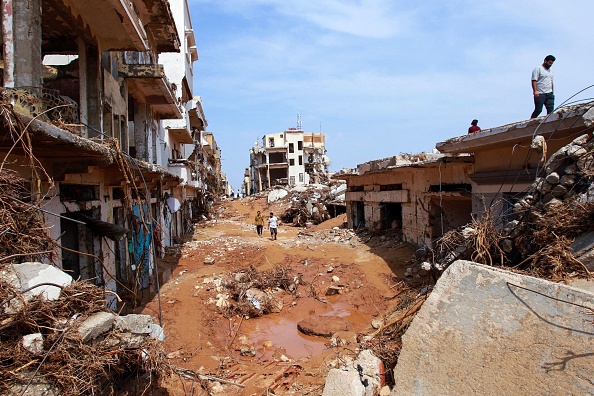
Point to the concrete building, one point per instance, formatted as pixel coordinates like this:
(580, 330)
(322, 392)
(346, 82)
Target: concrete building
(103, 159)
(424, 195)
(292, 157)
(508, 159)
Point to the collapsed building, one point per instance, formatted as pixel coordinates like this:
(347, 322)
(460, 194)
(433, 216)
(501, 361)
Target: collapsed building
(99, 117)
(288, 158)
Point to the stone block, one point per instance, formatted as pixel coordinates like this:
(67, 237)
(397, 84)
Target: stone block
(343, 383)
(134, 323)
(533, 335)
(96, 325)
(34, 343)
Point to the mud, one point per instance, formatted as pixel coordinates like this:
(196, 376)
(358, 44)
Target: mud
(269, 352)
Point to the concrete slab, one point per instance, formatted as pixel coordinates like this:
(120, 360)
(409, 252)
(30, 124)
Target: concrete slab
(487, 331)
(96, 325)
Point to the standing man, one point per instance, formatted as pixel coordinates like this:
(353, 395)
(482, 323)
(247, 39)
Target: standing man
(542, 87)
(259, 223)
(272, 224)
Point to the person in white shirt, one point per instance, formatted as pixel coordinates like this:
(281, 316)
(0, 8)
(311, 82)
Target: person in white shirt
(542, 87)
(273, 224)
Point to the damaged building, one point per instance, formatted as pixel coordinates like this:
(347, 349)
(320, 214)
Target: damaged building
(289, 158)
(509, 158)
(428, 195)
(100, 119)
(424, 195)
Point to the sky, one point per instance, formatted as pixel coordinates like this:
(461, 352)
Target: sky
(379, 77)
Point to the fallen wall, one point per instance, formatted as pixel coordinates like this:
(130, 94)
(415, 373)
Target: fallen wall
(487, 331)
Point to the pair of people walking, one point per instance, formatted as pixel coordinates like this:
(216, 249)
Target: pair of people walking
(272, 225)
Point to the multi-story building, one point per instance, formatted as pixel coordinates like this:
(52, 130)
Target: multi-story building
(292, 157)
(106, 125)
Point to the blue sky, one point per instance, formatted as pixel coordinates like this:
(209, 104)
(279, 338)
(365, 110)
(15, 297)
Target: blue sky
(379, 77)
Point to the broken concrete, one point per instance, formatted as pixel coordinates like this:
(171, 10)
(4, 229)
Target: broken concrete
(362, 377)
(484, 329)
(134, 323)
(34, 343)
(96, 325)
(26, 276)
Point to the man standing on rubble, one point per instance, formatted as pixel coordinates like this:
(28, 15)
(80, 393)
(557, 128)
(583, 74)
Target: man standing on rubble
(272, 224)
(259, 220)
(542, 87)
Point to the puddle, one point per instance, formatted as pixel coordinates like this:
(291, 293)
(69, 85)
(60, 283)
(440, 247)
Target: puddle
(281, 329)
(284, 334)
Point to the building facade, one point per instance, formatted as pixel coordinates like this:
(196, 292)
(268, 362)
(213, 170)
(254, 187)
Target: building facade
(111, 127)
(292, 157)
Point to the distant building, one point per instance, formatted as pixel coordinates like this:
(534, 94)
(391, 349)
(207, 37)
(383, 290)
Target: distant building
(292, 157)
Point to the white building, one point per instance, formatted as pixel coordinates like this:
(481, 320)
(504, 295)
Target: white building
(292, 157)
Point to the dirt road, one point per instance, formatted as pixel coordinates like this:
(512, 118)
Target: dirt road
(268, 354)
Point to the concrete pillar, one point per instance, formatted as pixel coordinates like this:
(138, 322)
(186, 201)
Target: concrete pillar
(141, 135)
(21, 31)
(94, 90)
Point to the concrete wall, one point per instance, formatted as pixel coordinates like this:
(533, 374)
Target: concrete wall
(487, 331)
(417, 224)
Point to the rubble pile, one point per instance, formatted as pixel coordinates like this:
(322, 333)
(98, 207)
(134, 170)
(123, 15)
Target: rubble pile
(252, 293)
(58, 338)
(549, 234)
(308, 204)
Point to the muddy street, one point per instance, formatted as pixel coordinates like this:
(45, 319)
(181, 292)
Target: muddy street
(340, 286)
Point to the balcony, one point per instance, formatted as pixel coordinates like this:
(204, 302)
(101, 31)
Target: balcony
(149, 84)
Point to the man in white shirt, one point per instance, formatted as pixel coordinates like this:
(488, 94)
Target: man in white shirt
(542, 87)
(273, 224)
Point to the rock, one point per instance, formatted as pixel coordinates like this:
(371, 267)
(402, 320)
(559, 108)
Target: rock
(567, 180)
(157, 332)
(209, 260)
(559, 191)
(330, 269)
(552, 178)
(343, 383)
(246, 350)
(335, 278)
(507, 245)
(571, 169)
(134, 323)
(333, 290)
(342, 338)
(268, 344)
(552, 204)
(96, 325)
(34, 343)
(323, 326)
(174, 355)
(276, 194)
(129, 340)
(576, 152)
(27, 275)
(283, 358)
(377, 323)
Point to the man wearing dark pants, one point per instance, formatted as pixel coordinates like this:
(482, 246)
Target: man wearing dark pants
(542, 87)
(272, 224)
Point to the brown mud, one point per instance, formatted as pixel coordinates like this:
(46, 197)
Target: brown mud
(283, 360)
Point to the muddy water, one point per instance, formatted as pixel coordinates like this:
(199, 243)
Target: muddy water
(282, 330)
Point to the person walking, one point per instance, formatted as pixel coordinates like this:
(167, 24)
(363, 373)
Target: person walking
(542, 87)
(474, 127)
(259, 221)
(273, 224)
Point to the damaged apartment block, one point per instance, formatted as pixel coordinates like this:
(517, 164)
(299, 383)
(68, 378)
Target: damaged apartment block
(288, 158)
(100, 119)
